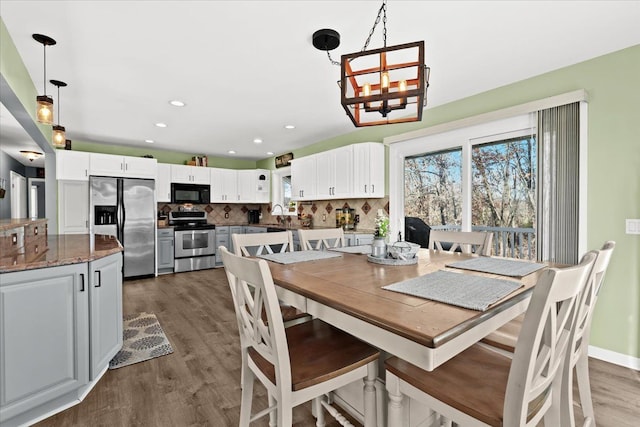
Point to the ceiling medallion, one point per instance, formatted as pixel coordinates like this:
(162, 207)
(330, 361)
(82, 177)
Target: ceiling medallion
(380, 86)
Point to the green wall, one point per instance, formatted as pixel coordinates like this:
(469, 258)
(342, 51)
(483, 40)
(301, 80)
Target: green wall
(613, 190)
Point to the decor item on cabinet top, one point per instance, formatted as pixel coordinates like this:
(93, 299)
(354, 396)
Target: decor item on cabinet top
(398, 82)
(198, 161)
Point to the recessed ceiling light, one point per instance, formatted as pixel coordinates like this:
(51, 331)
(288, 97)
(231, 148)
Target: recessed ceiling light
(289, 127)
(150, 141)
(257, 141)
(177, 103)
(161, 125)
(269, 153)
(231, 152)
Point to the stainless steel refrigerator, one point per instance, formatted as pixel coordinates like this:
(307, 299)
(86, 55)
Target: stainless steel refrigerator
(125, 208)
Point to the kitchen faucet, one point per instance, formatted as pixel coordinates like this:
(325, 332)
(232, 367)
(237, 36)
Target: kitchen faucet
(282, 218)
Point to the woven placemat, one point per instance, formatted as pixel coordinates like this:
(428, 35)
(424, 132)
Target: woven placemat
(501, 266)
(360, 249)
(462, 290)
(299, 256)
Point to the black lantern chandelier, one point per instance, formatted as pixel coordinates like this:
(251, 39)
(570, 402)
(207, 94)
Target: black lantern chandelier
(44, 103)
(380, 86)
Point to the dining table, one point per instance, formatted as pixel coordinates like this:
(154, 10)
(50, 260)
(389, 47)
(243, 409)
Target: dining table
(347, 291)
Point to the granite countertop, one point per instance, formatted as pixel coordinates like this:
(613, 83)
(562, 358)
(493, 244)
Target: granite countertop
(8, 224)
(62, 250)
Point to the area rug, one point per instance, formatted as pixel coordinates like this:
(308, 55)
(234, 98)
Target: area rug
(144, 339)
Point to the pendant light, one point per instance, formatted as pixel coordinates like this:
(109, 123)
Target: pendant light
(58, 136)
(44, 103)
(380, 86)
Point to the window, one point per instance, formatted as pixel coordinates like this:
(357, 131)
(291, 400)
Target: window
(476, 178)
(281, 190)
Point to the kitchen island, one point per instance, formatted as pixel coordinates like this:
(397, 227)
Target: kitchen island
(60, 322)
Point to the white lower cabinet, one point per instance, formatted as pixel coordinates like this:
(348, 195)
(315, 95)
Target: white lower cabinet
(73, 207)
(59, 327)
(166, 251)
(44, 338)
(105, 296)
(357, 239)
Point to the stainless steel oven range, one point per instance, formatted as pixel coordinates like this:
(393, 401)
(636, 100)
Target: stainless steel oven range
(194, 241)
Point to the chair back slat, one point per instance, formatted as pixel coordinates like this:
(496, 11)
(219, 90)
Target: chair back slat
(477, 242)
(543, 342)
(319, 239)
(262, 243)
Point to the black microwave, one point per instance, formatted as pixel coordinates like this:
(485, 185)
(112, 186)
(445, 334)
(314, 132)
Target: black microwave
(190, 193)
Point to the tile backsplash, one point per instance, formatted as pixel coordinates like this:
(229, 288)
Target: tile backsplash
(323, 212)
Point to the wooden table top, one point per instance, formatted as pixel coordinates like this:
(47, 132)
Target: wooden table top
(353, 285)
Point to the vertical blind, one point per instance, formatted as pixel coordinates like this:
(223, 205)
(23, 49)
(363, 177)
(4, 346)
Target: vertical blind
(558, 190)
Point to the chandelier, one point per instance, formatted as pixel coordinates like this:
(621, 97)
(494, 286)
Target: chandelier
(380, 86)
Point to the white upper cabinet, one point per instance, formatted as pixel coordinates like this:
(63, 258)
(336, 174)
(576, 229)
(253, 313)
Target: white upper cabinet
(368, 170)
(240, 186)
(72, 165)
(190, 174)
(303, 178)
(352, 171)
(334, 171)
(122, 166)
(163, 183)
(224, 185)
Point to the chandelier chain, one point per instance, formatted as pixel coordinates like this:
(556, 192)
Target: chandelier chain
(333, 61)
(381, 11)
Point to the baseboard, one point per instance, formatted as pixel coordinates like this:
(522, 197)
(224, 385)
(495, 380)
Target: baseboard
(615, 358)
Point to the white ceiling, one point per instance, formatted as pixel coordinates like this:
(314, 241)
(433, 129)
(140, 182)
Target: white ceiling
(247, 68)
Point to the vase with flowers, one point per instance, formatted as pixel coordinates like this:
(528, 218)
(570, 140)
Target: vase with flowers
(379, 246)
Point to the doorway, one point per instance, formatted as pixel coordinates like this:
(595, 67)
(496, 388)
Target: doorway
(36, 197)
(18, 195)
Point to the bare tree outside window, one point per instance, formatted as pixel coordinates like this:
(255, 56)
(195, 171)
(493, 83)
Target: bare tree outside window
(503, 196)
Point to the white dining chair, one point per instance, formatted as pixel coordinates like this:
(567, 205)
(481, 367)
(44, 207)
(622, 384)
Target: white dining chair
(477, 242)
(297, 364)
(262, 243)
(481, 387)
(318, 239)
(506, 337)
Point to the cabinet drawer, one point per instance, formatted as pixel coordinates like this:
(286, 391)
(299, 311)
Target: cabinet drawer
(166, 232)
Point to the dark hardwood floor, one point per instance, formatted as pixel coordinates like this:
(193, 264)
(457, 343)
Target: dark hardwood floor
(198, 385)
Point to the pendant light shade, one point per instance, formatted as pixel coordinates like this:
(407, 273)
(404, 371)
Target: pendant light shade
(31, 155)
(44, 103)
(58, 136)
(44, 111)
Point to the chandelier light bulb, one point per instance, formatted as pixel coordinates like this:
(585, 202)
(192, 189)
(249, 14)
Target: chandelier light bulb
(384, 80)
(402, 85)
(366, 89)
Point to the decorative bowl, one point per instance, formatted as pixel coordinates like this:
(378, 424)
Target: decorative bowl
(402, 250)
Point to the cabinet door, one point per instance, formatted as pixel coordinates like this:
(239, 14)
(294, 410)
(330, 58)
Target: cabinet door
(363, 239)
(368, 170)
(72, 165)
(140, 167)
(247, 186)
(163, 183)
(342, 159)
(217, 176)
(181, 174)
(165, 250)
(303, 178)
(105, 300)
(200, 175)
(230, 185)
(106, 165)
(73, 207)
(325, 174)
(44, 336)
